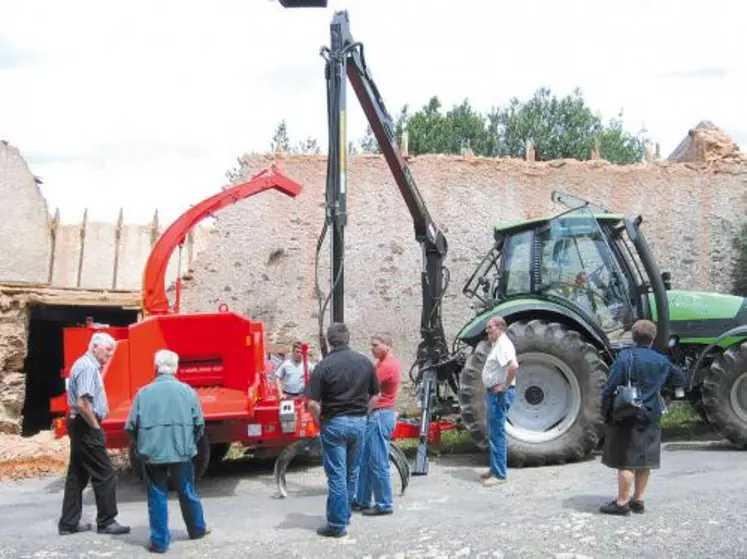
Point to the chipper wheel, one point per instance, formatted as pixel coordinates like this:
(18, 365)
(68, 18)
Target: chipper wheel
(557, 415)
(725, 395)
(312, 447)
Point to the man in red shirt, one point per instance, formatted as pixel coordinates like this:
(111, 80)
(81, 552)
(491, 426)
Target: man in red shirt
(374, 492)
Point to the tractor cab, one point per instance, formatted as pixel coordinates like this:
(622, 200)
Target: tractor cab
(592, 265)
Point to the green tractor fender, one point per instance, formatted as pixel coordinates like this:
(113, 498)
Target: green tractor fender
(517, 309)
(726, 340)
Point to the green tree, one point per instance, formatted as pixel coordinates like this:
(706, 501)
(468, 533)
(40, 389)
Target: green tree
(368, 143)
(559, 127)
(280, 139)
(618, 146)
(308, 146)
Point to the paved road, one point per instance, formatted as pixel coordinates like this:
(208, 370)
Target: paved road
(696, 509)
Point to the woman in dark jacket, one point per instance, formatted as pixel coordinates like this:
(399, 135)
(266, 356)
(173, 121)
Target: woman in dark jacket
(633, 446)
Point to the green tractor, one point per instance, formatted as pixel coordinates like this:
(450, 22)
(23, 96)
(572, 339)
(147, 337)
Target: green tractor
(570, 287)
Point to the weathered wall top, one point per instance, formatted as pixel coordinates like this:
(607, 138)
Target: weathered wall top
(24, 233)
(261, 260)
(37, 248)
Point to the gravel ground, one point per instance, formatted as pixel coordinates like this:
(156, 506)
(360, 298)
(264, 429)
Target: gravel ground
(695, 509)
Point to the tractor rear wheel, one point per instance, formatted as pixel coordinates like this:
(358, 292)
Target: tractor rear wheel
(725, 395)
(557, 415)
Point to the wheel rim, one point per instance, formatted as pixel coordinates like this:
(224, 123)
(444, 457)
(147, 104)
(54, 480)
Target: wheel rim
(739, 397)
(548, 399)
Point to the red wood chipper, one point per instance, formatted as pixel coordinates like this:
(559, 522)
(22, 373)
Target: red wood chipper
(222, 356)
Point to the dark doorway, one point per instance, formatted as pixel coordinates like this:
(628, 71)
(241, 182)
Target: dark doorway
(45, 359)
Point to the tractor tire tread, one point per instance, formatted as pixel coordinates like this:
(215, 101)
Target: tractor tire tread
(717, 385)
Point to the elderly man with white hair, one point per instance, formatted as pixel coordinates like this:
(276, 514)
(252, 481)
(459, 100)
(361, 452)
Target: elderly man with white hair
(89, 460)
(165, 424)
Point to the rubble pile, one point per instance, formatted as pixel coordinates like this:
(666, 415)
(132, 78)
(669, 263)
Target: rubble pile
(707, 143)
(718, 146)
(37, 456)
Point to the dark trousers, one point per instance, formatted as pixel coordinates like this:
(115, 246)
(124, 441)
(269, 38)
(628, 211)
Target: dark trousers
(89, 461)
(156, 477)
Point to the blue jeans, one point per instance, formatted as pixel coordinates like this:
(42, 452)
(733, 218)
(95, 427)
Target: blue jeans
(373, 479)
(341, 441)
(156, 478)
(498, 406)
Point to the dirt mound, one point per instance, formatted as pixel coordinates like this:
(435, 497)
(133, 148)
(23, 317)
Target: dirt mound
(41, 455)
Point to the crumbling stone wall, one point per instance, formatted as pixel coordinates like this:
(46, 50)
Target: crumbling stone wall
(24, 233)
(261, 259)
(13, 336)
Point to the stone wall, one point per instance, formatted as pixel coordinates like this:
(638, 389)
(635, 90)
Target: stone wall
(100, 246)
(33, 243)
(261, 260)
(13, 335)
(24, 231)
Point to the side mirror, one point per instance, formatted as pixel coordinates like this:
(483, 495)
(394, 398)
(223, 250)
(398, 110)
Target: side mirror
(666, 277)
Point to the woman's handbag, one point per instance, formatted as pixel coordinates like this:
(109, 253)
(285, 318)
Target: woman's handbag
(627, 403)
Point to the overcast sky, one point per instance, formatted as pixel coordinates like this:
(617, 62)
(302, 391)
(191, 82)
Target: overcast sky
(145, 104)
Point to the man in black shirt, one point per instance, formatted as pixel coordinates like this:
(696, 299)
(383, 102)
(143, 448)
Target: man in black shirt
(342, 391)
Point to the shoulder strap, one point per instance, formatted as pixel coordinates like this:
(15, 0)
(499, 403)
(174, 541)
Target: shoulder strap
(630, 367)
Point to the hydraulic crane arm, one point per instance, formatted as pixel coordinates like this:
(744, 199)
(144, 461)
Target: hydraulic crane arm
(345, 58)
(154, 276)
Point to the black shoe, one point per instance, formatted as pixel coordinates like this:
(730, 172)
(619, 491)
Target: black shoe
(153, 549)
(355, 507)
(613, 508)
(82, 527)
(377, 512)
(636, 506)
(327, 532)
(114, 529)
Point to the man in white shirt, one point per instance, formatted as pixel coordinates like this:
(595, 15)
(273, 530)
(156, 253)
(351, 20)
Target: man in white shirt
(289, 376)
(499, 378)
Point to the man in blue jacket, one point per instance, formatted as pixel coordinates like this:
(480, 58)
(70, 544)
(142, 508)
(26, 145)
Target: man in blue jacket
(165, 423)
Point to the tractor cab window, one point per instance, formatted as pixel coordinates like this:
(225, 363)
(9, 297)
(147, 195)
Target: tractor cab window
(577, 264)
(517, 258)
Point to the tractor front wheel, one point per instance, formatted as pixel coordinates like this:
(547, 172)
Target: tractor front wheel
(725, 395)
(557, 416)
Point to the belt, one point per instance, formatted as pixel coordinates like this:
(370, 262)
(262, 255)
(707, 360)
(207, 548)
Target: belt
(510, 387)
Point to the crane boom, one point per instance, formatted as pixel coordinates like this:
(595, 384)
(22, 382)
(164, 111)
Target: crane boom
(345, 58)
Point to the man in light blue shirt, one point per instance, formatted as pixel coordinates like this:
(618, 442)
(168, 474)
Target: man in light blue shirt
(89, 460)
(165, 424)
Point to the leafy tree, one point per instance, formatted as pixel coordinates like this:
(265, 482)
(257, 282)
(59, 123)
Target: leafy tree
(369, 144)
(280, 139)
(308, 146)
(618, 146)
(558, 127)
